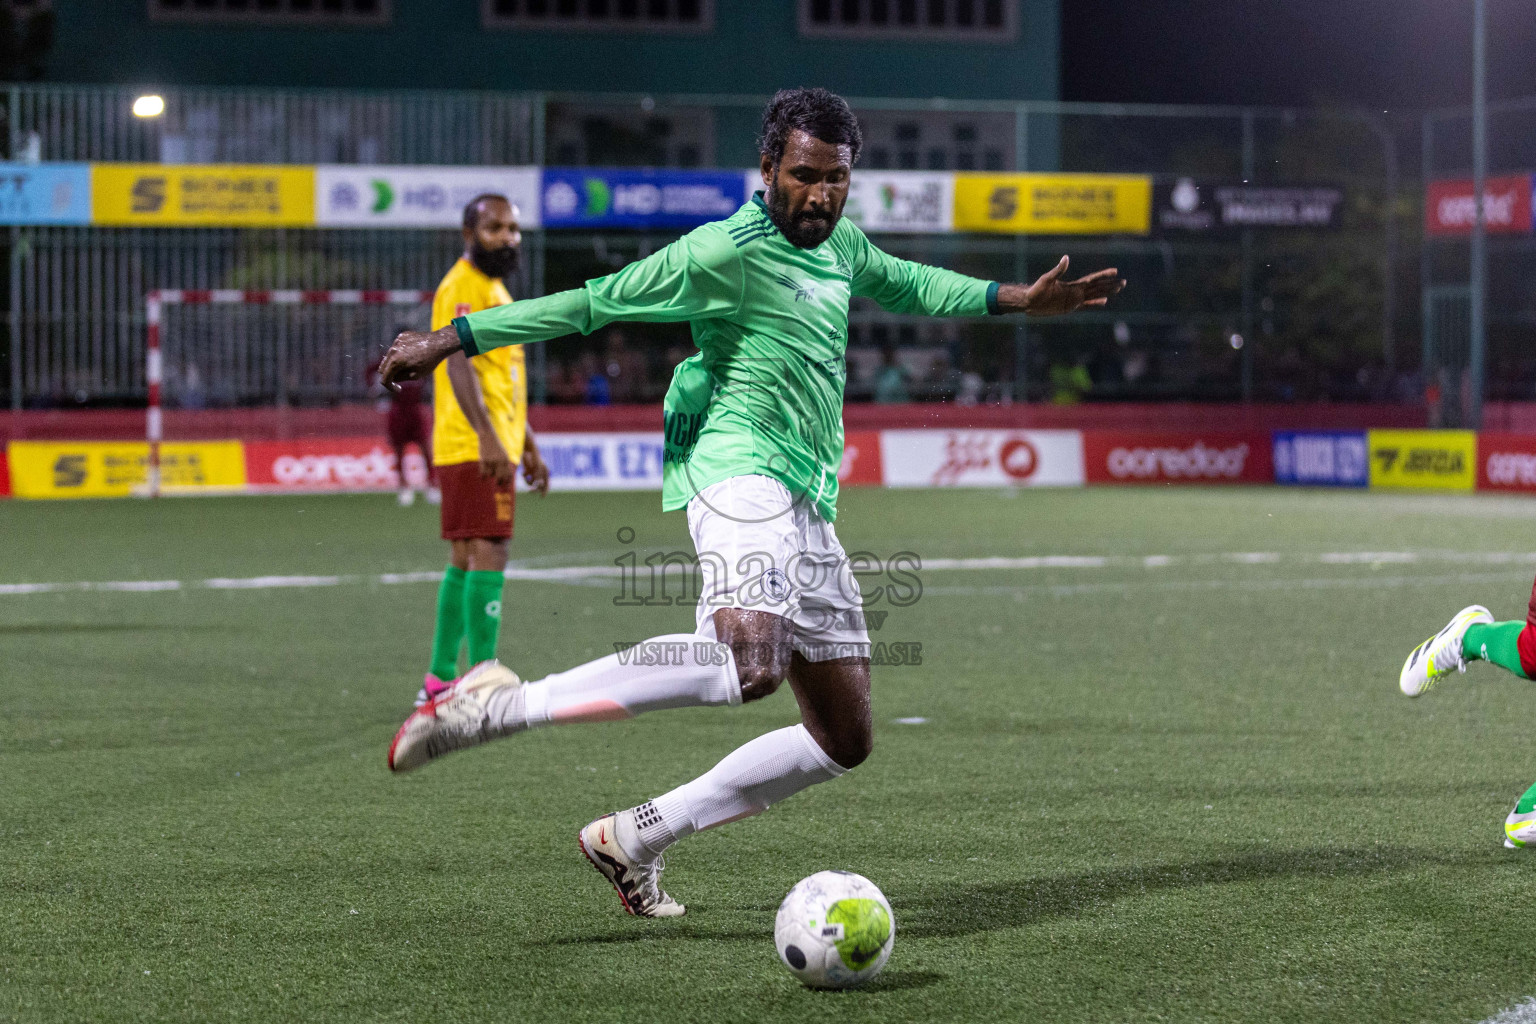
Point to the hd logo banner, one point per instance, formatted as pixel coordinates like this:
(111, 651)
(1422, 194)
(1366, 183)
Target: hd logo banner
(598, 197)
(1054, 204)
(191, 195)
(113, 469)
(414, 197)
(1443, 460)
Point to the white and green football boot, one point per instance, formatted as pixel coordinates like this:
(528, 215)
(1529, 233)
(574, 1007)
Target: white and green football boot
(481, 705)
(1440, 655)
(1520, 829)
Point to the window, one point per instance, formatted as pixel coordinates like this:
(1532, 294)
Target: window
(601, 15)
(274, 12)
(937, 140)
(956, 20)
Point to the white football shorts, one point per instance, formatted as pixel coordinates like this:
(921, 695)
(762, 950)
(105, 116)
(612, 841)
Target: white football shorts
(761, 548)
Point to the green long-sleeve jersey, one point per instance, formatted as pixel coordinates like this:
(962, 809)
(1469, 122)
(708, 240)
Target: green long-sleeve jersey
(764, 394)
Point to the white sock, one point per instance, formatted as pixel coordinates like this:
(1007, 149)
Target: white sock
(677, 671)
(746, 782)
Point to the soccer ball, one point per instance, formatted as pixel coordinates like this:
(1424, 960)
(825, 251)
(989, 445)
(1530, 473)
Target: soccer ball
(835, 929)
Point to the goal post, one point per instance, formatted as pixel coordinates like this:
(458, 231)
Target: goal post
(155, 306)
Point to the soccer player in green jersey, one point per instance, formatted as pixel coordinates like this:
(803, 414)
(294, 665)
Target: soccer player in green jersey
(754, 438)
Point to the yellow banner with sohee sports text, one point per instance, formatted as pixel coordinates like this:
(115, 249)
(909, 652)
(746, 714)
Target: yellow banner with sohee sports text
(203, 195)
(1054, 204)
(118, 469)
(1442, 460)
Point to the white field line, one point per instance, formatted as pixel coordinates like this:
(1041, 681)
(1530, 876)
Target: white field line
(1317, 583)
(596, 575)
(1520, 1013)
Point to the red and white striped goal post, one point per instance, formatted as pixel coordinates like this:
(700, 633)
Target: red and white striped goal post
(155, 301)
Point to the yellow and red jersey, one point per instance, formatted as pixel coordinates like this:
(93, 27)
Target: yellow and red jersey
(502, 373)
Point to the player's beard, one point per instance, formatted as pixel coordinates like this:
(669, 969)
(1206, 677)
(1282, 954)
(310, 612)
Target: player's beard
(497, 263)
(806, 231)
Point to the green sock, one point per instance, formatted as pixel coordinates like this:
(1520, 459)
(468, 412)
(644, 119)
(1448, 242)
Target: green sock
(449, 632)
(482, 613)
(1498, 642)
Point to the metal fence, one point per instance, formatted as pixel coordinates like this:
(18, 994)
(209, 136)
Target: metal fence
(1510, 295)
(1314, 311)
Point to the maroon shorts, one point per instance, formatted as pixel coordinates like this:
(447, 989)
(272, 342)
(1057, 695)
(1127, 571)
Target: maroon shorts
(473, 506)
(404, 425)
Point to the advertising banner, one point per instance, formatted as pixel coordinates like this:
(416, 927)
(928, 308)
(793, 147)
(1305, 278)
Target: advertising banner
(1449, 209)
(417, 197)
(598, 197)
(328, 464)
(1320, 458)
(1185, 204)
(603, 462)
(45, 193)
(982, 458)
(909, 201)
(5, 475)
(1506, 462)
(1436, 459)
(1053, 204)
(1159, 457)
(195, 195)
(117, 469)
(861, 459)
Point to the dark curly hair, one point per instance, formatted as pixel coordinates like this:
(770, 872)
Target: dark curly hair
(820, 114)
(472, 209)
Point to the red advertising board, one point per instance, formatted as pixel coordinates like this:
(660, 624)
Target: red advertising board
(327, 464)
(1158, 457)
(5, 475)
(861, 459)
(1506, 462)
(1449, 210)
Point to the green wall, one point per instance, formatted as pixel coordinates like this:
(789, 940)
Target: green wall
(438, 44)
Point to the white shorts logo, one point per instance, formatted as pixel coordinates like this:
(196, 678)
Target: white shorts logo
(776, 584)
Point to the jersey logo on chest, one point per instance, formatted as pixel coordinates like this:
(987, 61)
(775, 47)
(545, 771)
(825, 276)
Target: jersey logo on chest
(803, 292)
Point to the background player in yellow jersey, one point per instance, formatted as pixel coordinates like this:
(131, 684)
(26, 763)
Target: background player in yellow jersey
(479, 438)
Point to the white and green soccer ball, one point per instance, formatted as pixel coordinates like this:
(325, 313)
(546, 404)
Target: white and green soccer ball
(835, 929)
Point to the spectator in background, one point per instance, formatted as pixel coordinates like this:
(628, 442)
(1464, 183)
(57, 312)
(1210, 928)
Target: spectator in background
(1069, 383)
(623, 366)
(595, 380)
(891, 379)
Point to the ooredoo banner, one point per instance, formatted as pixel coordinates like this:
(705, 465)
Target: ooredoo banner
(1155, 457)
(328, 464)
(861, 459)
(1506, 462)
(982, 458)
(1449, 209)
(5, 475)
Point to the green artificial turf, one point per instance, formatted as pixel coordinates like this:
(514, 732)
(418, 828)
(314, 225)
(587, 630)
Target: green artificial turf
(1154, 788)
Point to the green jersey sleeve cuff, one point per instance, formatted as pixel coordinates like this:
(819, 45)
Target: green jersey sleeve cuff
(467, 336)
(992, 306)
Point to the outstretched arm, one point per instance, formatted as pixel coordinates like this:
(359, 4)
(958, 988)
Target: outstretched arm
(1052, 296)
(902, 286)
(697, 277)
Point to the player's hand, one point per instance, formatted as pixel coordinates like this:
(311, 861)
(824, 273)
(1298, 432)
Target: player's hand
(415, 354)
(535, 472)
(494, 464)
(1052, 296)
